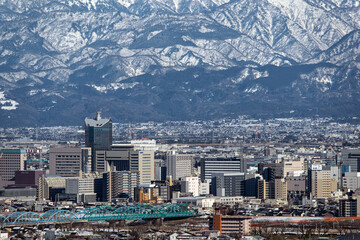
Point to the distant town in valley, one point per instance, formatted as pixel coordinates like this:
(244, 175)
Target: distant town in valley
(243, 178)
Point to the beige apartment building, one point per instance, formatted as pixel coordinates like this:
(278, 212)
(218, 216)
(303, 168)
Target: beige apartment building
(280, 188)
(322, 184)
(276, 189)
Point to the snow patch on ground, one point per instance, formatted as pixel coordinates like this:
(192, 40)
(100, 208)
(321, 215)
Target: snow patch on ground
(14, 76)
(7, 104)
(36, 91)
(203, 29)
(126, 3)
(252, 89)
(99, 88)
(186, 39)
(123, 86)
(152, 34)
(89, 3)
(6, 53)
(324, 79)
(249, 74)
(113, 86)
(125, 52)
(176, 4)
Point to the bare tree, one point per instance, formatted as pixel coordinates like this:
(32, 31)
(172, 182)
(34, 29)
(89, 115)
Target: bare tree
(339, 228)
(302, 229)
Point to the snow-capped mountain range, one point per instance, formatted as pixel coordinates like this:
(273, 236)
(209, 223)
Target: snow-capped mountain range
(61, 60)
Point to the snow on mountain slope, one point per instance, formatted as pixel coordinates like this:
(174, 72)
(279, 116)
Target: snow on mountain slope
(131, 50)
(7, 104)
(346, 50)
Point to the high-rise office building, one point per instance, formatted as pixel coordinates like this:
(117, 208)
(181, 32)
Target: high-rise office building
(209, 166)
(273, 185)
(351, 158)
(98, 136)
(251, 188)
(120, 184)
(179, 165)
(69, 162)
(118, 158)
(123, 157)
(160, 170)
(228, 184)
(11, 160)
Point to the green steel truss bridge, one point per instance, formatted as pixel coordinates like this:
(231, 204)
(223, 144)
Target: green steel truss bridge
(104, 213)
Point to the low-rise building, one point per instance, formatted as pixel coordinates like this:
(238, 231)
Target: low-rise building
(230, 224)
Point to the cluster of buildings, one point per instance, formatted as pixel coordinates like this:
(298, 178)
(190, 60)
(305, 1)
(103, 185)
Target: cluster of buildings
(251, 178)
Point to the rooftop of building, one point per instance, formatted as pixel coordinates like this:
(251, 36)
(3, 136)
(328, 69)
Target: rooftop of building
(12, 151)
(98, 121)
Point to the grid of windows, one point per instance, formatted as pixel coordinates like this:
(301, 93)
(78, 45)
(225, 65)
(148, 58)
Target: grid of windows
(11, 162)
(68, 162)
(210, 166)
(179, 165)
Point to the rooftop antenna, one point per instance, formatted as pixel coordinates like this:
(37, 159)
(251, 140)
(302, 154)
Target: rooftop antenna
(98, 115)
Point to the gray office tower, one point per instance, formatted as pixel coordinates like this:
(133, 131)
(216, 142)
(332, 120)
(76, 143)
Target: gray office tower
(98, 135)
(228, 184)
(351, 158)
(210, 166)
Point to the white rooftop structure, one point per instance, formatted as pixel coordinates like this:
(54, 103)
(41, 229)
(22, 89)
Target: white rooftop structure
(98, 121)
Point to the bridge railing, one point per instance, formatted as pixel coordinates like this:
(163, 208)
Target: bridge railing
(140, 211)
